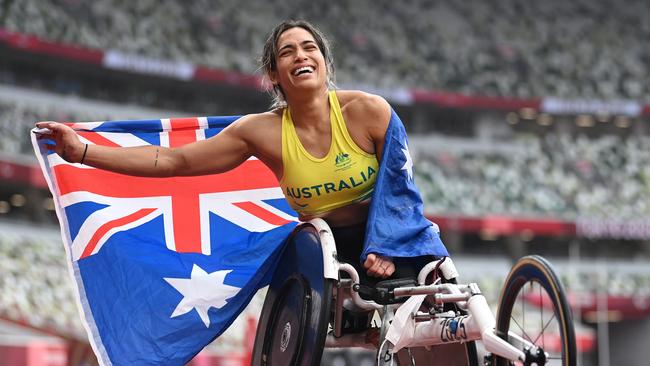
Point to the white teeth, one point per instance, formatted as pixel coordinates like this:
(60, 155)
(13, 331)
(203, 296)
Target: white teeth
(304, 68)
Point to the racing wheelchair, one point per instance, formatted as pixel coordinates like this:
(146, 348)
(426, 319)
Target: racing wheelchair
(433, 320)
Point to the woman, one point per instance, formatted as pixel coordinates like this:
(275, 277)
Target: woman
(314, 136)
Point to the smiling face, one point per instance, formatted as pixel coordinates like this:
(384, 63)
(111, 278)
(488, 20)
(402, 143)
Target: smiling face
(297, 57)
(299, 62)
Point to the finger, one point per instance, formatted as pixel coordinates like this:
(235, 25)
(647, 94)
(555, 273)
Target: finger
(42, 131)
(373, 273)
(382, 272)
(50, 127)
(377, 266)
(376, 270)
(390, 269)
(57, 128)
(370, 261)
(44, 124)
(387, 267)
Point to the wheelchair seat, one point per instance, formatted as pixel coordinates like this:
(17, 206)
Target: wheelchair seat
(382, 292)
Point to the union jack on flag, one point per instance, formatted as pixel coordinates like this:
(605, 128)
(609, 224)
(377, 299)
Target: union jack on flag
(164, 265)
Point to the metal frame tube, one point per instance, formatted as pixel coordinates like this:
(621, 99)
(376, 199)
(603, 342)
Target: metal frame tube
(478, 325)
(485, 321)
(447, 288)
(363, 304)
(330, 264)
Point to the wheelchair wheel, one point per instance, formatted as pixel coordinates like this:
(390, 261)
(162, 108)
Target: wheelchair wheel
(533, 305)
(295, 316)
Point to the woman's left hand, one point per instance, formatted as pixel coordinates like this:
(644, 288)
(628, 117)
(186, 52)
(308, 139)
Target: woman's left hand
(379, 266)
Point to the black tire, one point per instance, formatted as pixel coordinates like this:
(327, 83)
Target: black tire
(295, 316)
(537, 274)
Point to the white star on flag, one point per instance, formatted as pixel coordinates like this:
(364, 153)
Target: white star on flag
(408, 165)
(201, 292)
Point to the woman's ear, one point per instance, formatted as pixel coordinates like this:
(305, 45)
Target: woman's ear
(273, 77)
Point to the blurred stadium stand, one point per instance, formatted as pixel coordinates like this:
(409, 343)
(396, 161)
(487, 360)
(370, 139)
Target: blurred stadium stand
(507, 48)
(529, 126)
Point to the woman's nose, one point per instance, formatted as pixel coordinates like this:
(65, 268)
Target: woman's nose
(301, 55)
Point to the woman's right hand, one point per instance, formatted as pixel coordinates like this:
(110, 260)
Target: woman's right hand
(379, 266)
(63, 140)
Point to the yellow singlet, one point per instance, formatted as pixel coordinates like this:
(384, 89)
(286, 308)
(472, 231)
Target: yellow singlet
(316, 185)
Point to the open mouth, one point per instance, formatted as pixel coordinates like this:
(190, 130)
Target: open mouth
(303, 70)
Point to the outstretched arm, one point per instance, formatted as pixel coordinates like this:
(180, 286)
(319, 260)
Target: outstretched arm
(218, 154)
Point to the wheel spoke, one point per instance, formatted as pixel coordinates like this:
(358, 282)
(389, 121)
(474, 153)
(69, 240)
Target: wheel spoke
(523, 332)
(541, 319)
(541, 332)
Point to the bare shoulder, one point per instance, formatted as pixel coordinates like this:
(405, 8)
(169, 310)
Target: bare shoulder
(256, 120)
(361, 106)
(262, 133)
(252, 125)
(367, 111)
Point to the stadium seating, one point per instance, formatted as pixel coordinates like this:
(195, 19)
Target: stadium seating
(35, 282)
(577, 49)
(21, 107)
(553, 176)
(569, 50)
(16, 119)
(544, 177)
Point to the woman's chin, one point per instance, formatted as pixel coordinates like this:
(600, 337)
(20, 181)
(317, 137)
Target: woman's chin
(309, 79)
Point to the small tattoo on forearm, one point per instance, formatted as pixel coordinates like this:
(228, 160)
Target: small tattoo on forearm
(156, 162)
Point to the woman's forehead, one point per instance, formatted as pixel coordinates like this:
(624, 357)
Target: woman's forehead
(294, 35)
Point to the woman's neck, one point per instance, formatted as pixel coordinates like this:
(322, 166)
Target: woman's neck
(310, 111)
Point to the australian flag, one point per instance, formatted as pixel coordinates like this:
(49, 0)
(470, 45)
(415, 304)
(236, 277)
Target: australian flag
(163, 266)
(396, 224)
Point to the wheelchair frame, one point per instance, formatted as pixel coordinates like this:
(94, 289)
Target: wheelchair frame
(303, 311)
(431, 328)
